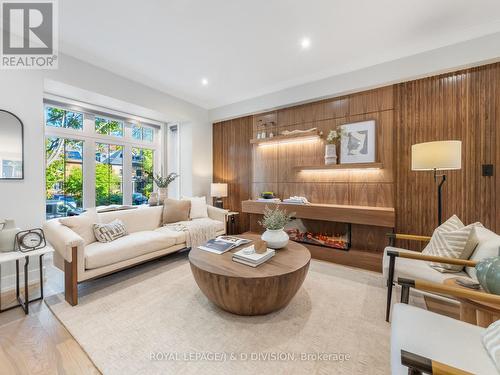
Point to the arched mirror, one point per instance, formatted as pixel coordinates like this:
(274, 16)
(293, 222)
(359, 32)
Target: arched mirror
(11, 147)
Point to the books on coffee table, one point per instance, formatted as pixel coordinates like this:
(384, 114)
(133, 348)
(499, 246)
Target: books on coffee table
(221, 244)
(253, 259)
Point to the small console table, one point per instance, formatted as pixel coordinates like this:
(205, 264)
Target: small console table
(16, 256)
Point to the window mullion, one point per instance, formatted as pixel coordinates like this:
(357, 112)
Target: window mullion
(127, 174)
(89, 149)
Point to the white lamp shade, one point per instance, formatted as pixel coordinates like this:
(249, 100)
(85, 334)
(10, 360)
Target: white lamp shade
(440, 155)
(218, 190)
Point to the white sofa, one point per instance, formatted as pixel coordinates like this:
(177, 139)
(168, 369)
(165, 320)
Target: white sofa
(146, 240)
(437, 338)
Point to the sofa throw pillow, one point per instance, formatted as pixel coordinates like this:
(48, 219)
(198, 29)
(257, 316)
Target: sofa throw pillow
(491, 342)
(456, 244)
(199, 207)
(488, 245)
(453, 223)
(111, 231)
(175, 210)
(82, 225)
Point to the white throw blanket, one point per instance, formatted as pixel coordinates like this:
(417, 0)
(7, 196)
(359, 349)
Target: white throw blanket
(197, 231)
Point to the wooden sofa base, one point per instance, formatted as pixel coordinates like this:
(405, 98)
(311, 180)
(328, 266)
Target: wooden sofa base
(71, 278)
(71, 275)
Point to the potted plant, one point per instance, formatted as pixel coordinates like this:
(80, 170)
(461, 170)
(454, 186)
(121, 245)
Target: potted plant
(274, 221)
(162, 183)
(331, 146)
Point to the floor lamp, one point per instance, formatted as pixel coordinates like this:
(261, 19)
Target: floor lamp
(437, 156)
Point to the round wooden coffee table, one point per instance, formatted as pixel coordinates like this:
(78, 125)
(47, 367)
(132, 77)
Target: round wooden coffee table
(245, 290)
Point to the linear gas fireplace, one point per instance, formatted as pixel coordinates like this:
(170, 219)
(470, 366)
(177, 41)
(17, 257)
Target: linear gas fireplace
(309, 232)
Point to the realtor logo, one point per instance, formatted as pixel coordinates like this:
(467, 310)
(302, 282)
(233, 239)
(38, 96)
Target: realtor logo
(29, 34)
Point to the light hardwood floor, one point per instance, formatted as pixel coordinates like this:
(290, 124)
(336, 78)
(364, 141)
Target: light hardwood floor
(38, 343)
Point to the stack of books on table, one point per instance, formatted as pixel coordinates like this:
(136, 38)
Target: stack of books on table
(254, 259)
(270, 200)
(221, 244)
(296, 200)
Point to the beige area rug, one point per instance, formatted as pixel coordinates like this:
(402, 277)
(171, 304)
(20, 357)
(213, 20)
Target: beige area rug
(156, 310)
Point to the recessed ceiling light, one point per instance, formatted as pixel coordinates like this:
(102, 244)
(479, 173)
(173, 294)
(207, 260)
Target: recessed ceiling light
(305, 43)
(204, 81)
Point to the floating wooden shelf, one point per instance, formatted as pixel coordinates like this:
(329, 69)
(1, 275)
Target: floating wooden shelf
(341, 166)
(366, 215)
(288, 138)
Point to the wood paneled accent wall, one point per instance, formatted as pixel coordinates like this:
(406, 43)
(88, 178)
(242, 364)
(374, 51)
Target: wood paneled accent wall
(462, 105)
(274, 166)
(232, 160)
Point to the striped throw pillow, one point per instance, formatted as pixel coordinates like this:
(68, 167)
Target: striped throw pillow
(491, 341)
(451, 244)
(110, 232)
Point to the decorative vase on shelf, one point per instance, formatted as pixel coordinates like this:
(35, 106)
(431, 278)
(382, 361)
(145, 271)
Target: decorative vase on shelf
(488, 274)
(162, 194)
(275, 238)
(330, 154)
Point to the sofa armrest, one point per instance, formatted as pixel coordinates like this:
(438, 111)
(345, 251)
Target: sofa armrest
(218, 214)
(418, 364)
(432, 258)
(448, 290)
(410, 237)
(62, 238)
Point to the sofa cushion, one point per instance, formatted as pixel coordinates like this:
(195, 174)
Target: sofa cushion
(438, 337)
(111, 231)
(136, 220)
(488, 246)
(456, 244)
(83, 225)
(135, 244)
(414, 269)
(175, 210)
(491, 342)
(199, 207)
(178, 236)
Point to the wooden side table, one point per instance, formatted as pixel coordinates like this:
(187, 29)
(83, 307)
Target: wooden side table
(474, 312)
(16, 256)
(232, 223)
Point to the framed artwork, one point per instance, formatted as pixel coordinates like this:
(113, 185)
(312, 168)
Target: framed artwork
(358, 142)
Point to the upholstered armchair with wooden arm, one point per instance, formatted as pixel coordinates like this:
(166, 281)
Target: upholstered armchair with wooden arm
(426, 342)
(410, 264)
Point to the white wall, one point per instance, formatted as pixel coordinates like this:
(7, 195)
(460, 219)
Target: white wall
(22, 94)
(473, 52)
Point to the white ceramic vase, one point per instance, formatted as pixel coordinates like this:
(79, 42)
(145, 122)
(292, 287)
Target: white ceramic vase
(275, 238)
(330, 154)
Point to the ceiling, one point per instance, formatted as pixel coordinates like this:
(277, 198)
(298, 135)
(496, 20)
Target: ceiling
(250, 48)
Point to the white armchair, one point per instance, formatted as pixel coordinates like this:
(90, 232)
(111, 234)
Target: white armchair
(404, 263)
(426, 342)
